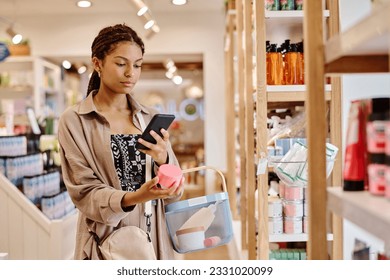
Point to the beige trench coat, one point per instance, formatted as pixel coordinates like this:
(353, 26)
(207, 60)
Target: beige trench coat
(91, 180)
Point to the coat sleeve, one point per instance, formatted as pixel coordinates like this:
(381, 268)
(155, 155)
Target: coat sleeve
(99, 201)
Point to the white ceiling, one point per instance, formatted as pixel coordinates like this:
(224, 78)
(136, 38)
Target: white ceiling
(15, 8)
(12, 10)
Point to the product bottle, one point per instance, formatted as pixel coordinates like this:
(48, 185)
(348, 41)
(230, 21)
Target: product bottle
(292, 65)
(272, 5)
(387, 152)
(275, 66)
(376, 140)
(267, 61)
(354, 173)
(301, 64)
(298, 4)
(201, 218)
(281, 70)
(287, 5)
(285, 46)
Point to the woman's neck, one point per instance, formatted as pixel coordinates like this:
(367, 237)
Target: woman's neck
(117, 102)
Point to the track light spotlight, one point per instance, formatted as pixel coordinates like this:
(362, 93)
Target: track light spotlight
(16, 37)
(141, 7)
(149, 24)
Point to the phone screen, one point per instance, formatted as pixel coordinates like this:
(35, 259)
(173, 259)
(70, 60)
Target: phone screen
(158, 122)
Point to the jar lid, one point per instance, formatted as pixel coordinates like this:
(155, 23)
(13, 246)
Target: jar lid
(377, 158)
(294, 218)
(380, 108)
(300, 201)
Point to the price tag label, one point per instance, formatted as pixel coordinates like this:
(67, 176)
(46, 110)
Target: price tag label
(262, 166)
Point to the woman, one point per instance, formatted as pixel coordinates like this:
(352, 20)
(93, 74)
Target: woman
(102, 170)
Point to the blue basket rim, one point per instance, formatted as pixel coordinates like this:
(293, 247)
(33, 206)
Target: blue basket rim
(184, 204)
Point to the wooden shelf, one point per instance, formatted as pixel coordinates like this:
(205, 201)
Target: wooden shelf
(363, 48)
(289, 93)
(368, 211)
(292, 15)
(301, 237)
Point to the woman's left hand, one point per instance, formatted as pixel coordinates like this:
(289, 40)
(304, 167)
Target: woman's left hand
(157, 151)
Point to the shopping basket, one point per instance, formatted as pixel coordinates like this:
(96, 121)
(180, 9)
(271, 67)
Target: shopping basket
(202, 222)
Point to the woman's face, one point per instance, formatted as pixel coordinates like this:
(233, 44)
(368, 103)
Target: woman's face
(121, 69)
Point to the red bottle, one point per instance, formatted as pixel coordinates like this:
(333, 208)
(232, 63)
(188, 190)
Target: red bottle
(355, 172)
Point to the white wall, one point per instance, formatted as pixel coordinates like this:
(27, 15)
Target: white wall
(358, 87)
(181, 33)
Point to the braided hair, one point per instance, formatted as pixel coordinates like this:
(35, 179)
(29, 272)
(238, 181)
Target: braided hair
(106, 41)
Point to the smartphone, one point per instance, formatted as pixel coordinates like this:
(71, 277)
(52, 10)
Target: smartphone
(158, 122)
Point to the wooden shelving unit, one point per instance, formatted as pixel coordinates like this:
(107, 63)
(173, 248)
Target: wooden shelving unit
(248, 26)
(364, 48)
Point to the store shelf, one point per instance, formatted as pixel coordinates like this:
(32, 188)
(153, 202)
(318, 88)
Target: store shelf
(16, 92)
(35, 78)
(287, 93)
(253, 24)
(292, 15)
(301, 237)
(364, 48)
(45, 239)
(370, 212)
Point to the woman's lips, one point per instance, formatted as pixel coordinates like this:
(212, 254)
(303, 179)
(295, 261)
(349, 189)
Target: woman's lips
(128, 84)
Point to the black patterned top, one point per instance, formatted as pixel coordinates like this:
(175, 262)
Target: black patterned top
(130, 163)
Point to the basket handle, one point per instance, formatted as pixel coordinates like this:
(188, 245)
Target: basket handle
(208, 167)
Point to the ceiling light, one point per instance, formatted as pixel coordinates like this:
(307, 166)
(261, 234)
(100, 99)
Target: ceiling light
(84, 4)
(82, 69)
(16, 37)
(149, 24)
(141, 7)
(169, 63)
(194, 91)
(66, 64)
(156, 28)
(179, 2)
(177, 80)
(172, 69)
(142, 11)
(169, 75)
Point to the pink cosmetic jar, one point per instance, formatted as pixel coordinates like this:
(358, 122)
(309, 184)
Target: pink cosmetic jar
(168, 175)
